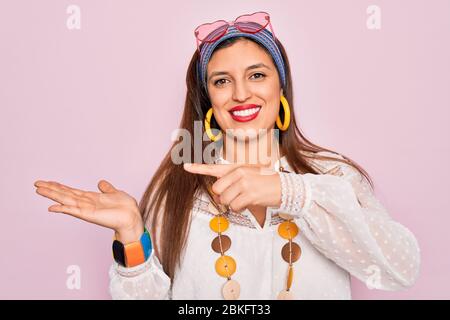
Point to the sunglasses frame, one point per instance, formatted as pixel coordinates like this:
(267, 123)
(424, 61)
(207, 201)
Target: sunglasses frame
(235, 23)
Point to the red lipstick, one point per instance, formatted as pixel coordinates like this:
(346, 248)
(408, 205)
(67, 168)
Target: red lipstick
(244, 113)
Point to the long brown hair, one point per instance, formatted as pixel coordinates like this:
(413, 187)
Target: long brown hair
(168, 199)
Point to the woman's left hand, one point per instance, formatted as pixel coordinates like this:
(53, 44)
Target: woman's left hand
(242, 185)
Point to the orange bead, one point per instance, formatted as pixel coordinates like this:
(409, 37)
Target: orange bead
(219, 224)
(290, 278)
(225, 266)
(288, 230)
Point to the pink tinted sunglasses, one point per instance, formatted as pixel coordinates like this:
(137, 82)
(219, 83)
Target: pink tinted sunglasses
(241, 23)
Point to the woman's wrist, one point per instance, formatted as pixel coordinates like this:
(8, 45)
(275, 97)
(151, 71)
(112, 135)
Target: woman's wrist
(131, 234)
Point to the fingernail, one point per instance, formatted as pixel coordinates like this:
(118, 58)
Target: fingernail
(187, 165)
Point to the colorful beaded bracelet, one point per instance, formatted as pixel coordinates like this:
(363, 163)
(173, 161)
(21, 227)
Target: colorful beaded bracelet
(132, 254)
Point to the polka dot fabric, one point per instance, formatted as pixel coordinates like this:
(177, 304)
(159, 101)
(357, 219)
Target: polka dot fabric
(344, 230)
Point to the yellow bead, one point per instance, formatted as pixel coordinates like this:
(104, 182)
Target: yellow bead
(218, 224)
(288, 230)
(225, 266)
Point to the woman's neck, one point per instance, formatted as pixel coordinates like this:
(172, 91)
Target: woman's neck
(262, 149)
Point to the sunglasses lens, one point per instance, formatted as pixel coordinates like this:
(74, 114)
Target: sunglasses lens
(210, 32)
(252, 23)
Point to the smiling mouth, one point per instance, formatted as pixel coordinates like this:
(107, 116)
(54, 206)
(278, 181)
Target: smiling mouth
(245, 115)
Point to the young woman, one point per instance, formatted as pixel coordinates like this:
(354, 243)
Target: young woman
(293, 225)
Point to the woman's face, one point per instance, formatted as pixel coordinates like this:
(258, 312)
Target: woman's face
(244, 87)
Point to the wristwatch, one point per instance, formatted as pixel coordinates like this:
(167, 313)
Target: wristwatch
(134, 253)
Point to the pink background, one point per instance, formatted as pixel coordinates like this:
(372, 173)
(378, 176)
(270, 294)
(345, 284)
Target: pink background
(78, 106)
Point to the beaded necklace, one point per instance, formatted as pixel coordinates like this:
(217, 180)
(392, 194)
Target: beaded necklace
(226, 266)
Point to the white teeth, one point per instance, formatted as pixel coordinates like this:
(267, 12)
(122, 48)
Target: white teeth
(247, 112)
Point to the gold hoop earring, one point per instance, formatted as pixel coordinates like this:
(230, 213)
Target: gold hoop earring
(287, 115)
(208, 126)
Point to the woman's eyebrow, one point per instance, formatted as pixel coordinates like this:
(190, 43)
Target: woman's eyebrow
(253, 66)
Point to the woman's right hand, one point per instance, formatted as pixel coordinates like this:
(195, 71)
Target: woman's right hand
(112, 208)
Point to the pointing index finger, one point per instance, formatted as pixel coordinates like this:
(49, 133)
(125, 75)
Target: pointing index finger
(215, 170)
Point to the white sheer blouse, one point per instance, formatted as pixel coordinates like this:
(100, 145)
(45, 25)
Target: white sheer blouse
(344, 230)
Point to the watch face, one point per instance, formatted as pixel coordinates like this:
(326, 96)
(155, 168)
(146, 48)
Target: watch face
(119, 252)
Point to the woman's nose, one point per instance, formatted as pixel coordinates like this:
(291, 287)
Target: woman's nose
(241, 91)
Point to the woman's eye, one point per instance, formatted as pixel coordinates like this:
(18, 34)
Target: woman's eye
(218, 82)
(259, 73)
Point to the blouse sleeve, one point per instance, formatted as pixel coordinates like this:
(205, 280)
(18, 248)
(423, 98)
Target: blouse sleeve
(147, 281)
(338, 212)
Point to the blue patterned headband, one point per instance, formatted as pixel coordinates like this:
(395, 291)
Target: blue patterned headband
(263, 37)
